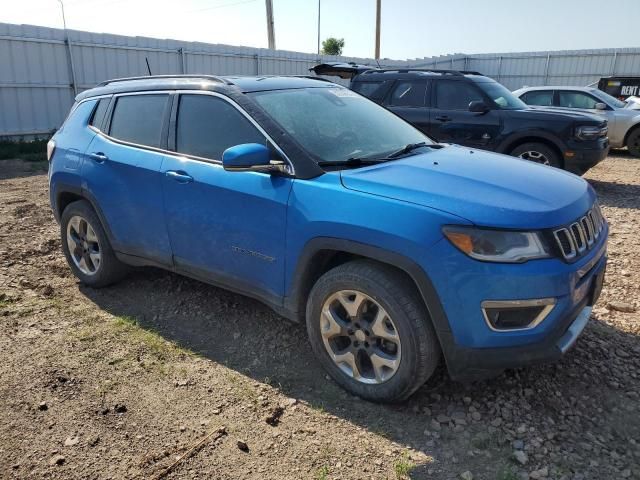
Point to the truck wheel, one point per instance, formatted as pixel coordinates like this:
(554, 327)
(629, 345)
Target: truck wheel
(537, 152)
(633, 142)
(87, 247)
(371, 331)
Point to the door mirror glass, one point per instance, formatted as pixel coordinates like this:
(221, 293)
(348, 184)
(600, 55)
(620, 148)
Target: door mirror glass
(251, 157)
(601, 106)
(478, 106)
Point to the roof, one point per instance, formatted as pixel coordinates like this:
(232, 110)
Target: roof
(203, 82)
(579, 89)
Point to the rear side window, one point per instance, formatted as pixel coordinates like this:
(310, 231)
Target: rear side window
(456, 95)
(208, 125)
(543, 98)
(138, 119)
(98, 114)
(409, 94)
(366, 88)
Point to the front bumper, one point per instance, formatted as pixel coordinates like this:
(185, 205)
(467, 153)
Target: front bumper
(579, 160)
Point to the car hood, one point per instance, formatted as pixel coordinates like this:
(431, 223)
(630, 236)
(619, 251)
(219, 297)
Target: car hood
(484, 188)
(556, 113)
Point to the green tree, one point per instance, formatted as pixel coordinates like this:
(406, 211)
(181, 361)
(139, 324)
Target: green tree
(332, 46)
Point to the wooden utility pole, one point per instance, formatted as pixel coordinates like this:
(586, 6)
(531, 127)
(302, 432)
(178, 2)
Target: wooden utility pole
(378, 8)
(271, 36)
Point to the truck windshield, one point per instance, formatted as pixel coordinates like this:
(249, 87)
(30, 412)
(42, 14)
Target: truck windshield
(335, 124)
(501, 96)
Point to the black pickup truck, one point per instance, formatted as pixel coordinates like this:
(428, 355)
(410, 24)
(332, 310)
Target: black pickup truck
(470, 109)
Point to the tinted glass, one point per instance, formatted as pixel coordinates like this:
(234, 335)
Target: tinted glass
(576, 100)
(452, 95)
(138, 119)
(366, 88)
(98, 113)
(503, 98)
(334, 123)
(207, 126)
(543, 98)
(409, 94)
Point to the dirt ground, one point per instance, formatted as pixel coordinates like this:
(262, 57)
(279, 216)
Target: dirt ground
(121, 382)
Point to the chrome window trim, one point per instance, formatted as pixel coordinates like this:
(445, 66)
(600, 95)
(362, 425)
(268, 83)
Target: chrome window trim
(547, 303)
(184, 155)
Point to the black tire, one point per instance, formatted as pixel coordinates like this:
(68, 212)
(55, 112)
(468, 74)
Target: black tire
(396, 293)
(530, 151)
(633, 142)
(110, 269)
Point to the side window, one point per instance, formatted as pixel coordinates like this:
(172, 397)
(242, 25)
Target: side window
(138, 119)
(98, 114)
(409, 94)
(366, 88)
(576, 100)
(542, 98)
(208, 125)
(455, 95)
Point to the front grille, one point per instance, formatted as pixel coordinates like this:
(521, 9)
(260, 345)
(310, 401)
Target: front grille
(577, 238)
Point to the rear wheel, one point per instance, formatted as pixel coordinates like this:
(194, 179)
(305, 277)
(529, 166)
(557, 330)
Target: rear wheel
(87, 247)
(371, 332)
(539, 153)
(633, 142)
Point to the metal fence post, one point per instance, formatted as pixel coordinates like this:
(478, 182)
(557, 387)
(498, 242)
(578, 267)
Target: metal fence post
(72, 68)
(257, 57)
(613, 64)
(499, 67)
(183, 64)
(546, 69)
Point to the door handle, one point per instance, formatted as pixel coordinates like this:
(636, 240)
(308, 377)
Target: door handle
(99, 157)
(444, 118)
(178, 176)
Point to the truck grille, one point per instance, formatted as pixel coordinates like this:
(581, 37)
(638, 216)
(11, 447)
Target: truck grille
(578, 238)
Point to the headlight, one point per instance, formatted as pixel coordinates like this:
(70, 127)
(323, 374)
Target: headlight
(497, 245)
(590, 132)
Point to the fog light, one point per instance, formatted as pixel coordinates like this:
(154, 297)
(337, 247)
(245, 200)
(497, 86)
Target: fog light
(510, 315)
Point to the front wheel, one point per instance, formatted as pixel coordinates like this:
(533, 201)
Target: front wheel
(633, 142)
(370, 330)
(537, 152)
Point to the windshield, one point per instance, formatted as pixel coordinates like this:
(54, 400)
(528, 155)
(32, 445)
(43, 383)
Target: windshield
(336, 124)
(501, 95)
(605, 97)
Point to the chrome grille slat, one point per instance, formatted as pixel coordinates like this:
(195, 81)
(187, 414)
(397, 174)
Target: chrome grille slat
(578, 237)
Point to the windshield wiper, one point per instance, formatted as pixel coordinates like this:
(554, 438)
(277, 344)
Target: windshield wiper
(411, 147)
(352, 162)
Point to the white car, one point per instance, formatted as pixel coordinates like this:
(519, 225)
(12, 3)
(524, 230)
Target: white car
(623, 116)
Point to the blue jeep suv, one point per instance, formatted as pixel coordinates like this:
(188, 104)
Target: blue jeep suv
(396, 251)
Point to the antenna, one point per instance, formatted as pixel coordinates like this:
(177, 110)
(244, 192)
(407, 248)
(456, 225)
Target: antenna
(148, 67)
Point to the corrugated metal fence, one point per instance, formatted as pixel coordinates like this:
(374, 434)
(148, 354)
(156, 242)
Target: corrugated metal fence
(40, 71)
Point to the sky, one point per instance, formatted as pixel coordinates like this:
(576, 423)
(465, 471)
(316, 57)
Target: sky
(410, 28)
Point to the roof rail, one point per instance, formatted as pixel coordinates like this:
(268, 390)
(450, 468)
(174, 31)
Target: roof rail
(430, 70)
(312, 77)
(152, 77)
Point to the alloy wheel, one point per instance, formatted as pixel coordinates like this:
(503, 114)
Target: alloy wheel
(83, 245)
(360, 337)
(534, 156)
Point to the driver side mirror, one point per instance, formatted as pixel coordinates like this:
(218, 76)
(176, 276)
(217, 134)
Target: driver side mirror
(478, 106)
(251, 157)
(601, 106)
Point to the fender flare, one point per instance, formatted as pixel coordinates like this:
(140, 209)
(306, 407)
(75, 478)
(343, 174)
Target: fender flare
(298, 290)
(505, 144)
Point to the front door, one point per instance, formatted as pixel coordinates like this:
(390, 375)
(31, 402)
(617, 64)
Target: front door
(452, 122)
(225, 227)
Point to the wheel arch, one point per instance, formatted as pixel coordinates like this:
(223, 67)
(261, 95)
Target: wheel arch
(632, 129)
(513, 142)
(321, 254)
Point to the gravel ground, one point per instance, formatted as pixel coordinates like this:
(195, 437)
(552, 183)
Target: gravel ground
(126, 381)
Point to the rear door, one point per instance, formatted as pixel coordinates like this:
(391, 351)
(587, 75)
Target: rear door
(452, 122)
(225, 227)
(408, 99)
(122, 174)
